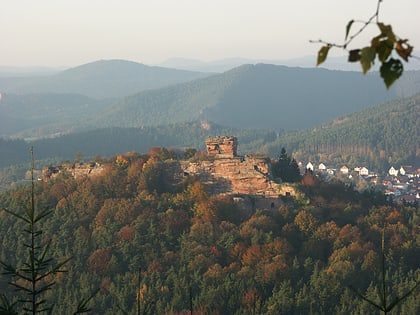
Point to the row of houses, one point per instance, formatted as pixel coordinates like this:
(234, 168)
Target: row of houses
(400, 184)
(404, 170)
(362, 171)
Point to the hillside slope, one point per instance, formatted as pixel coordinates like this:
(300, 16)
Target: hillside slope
(253, 96)
(40, 115)
(383, 134)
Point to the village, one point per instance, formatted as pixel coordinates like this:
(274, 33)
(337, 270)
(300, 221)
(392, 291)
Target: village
(399, 184)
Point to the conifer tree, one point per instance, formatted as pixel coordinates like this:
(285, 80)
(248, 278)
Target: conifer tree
(35, 277)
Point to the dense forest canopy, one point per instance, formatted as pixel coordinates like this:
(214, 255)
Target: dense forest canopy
(138, 230)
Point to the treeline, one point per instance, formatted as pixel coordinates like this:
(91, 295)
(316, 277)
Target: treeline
(150, 238)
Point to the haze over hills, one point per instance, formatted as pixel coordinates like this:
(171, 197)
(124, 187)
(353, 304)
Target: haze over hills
(223, 65)
(250, 96)
(255, 96)
(100, 79)
(39, 115)
(8, 71)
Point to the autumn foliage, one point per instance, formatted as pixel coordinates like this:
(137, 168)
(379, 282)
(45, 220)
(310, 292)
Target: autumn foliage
(204, 251)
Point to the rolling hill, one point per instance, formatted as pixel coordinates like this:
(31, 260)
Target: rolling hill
(99, 79)
(251, 96)
(377, 136)
(255, 96)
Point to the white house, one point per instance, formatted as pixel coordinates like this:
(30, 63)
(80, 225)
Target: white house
(322, 167)
(364, 171)
(406, 170)
(392, 171)
(344, 169)
(310, 166)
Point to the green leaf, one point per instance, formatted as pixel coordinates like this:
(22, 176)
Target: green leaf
(367, 58)
(349, 24)
(386, 30)
(322, 54)
(384, 49)
(391, 71)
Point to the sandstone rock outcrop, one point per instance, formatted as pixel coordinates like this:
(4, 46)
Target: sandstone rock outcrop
(76, 170)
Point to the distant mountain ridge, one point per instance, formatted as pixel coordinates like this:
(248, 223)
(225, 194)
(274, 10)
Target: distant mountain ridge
(226, 64)
(255, 96)
(99, 79)
(261, 96)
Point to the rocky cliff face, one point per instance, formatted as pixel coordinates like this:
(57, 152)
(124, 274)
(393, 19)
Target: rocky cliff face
(247, 178)
(235, 175)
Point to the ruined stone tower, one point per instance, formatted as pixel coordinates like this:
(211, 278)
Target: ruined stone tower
(222, 146)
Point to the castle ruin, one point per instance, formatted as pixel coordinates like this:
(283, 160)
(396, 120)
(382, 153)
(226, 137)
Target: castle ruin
(222, 146)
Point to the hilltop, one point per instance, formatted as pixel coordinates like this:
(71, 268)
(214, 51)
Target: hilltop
(99, 79)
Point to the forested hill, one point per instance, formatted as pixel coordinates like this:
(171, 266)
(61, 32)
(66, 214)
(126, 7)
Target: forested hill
(254, 96)
(377, 136)
(138, 230)
(99, 79)
(251, 96)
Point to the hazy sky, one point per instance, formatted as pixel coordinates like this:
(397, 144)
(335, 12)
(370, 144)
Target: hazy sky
(72, 32)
